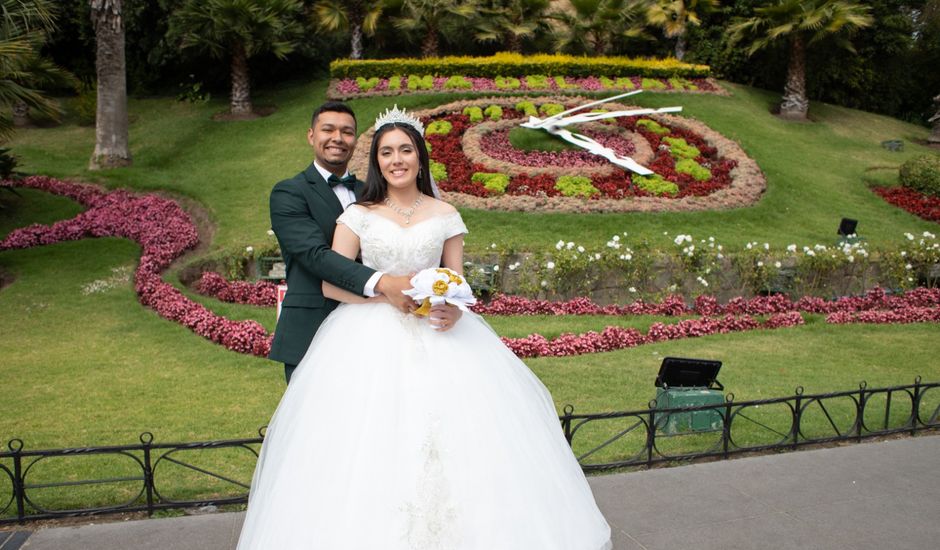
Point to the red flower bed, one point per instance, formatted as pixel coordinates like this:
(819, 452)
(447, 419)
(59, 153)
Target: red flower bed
(260, 293)
(916, 203)
(164, 232)
(447, 149)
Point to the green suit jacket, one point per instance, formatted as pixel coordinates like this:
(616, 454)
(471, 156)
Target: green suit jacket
(303, 216)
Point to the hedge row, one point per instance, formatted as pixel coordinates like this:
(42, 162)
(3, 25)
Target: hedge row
(505, 64)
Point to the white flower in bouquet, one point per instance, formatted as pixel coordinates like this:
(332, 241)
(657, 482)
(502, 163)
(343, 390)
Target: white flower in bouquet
(440, 285)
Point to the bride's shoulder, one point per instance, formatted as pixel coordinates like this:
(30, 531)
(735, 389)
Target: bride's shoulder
(441, 208)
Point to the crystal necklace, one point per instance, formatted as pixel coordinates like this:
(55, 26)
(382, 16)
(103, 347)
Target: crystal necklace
(405, 213)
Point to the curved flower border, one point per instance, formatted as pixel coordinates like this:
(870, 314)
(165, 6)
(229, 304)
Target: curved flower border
(347, 88)
(747, 181)
(918, 204)
(163, 231)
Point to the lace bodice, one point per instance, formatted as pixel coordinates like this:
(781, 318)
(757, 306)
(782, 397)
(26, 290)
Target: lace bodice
(396, 250)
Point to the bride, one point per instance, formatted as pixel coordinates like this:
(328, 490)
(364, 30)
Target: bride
(394, 434)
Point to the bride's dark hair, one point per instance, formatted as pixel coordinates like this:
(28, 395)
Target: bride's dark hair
(376, 187)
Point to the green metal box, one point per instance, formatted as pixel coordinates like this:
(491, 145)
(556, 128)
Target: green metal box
(686, 383)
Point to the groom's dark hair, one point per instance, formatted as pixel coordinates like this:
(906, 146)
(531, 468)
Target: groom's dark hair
(332, 107)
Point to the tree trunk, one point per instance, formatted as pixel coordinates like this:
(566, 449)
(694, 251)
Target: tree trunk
(795, 104)
(680, 47)
(430, 44)
(20, 114)
(111, 122)
(356, 41)
(241, 86)
(935, 120)
(513, 43)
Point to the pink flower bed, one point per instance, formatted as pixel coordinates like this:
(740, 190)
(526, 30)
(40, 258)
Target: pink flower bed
(674, 305)
(260, 293)
(614, 338)
(164, 232)
(498, 146)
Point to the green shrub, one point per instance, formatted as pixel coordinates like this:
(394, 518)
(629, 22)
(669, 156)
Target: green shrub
(475, 113)
(438, 170)
(439, 127)
(493, 182)
(619, 83)
(536, 81)
(494, 112)
(8, 163)
(655, 184)
(394, 82)
(682, 84)
(681, 149)
(922, 174)
(576, 186)
(416, 82)
(563, 84)
(652, 84)
(458, 82)
(694, 169)
(503, 64)
(86, 104)
(652, 126)
(507, 83)
(551, 109)
(527, 108)
(366, 84)
(427, 145)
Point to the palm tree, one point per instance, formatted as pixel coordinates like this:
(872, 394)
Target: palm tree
(357, 16)
(428, 18)
(801, 23)
(238, 29)
(509, 22)
(593, 26)
(675, 16)
(112, 147)
(24, 27)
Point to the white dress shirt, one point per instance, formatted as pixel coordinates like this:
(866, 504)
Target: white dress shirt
(346, 197)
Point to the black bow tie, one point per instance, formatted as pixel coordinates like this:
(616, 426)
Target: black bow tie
(349, 181)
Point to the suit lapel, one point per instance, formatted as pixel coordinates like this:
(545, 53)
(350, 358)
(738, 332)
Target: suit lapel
(323, 189)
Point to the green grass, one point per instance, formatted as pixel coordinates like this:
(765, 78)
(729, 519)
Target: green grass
(93, 369)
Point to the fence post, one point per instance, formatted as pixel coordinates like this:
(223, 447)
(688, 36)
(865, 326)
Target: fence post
(797, 414)
(19, 486)
(566, 423)
(916, 416)
(146, 439)
(726, 425)
(860, 409)
(650, 434)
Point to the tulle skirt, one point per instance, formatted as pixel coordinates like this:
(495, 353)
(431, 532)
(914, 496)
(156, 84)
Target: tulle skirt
(394, 436)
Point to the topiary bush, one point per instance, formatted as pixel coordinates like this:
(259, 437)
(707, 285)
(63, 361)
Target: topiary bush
(475, 114)
(922, 174)
(493, 182)
(441, 127)
(576, 186)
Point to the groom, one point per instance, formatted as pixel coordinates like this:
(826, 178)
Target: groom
(303, 216)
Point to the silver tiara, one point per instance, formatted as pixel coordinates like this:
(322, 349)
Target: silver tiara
(399, 115)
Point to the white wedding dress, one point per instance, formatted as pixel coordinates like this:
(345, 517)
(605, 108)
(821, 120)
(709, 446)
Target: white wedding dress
(393, 436)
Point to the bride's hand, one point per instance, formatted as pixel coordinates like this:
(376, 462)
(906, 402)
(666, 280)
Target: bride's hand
(443, 317)
(378, 299)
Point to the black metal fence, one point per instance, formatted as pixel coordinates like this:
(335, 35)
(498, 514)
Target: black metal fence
(600, 441)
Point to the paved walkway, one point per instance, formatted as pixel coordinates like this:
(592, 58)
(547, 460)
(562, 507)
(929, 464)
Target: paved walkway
(868, 496)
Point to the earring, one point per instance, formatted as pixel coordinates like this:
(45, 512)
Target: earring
(420, 173)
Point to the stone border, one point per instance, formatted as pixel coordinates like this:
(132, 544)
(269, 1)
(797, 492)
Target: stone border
(747, 181)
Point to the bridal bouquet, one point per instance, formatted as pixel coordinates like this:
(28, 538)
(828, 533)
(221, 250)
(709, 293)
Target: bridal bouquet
(439, 285)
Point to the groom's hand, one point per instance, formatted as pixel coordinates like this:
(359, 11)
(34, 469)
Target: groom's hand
(392, 288)
(443, 317)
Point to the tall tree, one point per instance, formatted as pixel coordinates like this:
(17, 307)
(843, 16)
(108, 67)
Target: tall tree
(509, 22)
(25, 26)
(359, 17)
(239, 30)
(802, 23)
(594, 26)
(427, 19)
(112, 147)
(675, 16)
